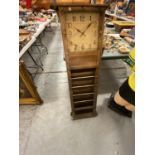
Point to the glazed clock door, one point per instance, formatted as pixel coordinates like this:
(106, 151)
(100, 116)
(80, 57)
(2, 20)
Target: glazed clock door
(82, 31)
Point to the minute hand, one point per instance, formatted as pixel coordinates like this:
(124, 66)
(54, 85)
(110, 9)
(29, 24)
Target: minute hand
(86, 29)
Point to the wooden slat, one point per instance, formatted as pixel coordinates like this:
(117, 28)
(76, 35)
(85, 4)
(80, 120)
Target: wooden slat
(82, 82)
(83, 72)
(28, 101)
(79, 78)
(83, 90)
(83, 108)
(83, 94)
(84, 104)
(82, 101)
(83, 97)
(82, 86)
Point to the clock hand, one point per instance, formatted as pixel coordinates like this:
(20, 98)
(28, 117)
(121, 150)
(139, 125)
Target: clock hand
(86, 28)
(78, 30)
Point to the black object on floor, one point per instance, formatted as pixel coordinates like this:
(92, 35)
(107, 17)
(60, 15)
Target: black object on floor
(119, 109)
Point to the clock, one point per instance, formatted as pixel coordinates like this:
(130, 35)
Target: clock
(82, 33)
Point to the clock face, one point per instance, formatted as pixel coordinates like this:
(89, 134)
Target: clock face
(82, 31)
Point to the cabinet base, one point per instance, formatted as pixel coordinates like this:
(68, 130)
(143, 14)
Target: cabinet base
(84, 115)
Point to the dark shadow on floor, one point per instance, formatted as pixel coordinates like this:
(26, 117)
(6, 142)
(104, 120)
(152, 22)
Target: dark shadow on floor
(110, 76)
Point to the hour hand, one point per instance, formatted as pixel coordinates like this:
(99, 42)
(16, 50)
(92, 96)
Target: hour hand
(78, 30)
